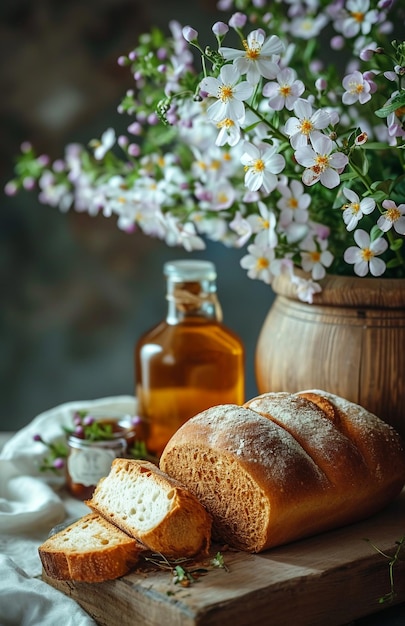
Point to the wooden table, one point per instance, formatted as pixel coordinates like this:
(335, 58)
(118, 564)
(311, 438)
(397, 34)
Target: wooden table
(328, 580)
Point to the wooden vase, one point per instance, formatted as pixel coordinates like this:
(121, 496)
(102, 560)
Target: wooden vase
(350, 342)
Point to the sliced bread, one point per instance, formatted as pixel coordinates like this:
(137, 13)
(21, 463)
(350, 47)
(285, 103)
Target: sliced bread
(89, 550)
(152, 507)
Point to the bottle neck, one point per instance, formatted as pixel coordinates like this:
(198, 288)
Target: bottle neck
(190, 299)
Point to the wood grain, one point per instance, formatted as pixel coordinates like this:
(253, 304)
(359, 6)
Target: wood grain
(327, 580)
(350, 342)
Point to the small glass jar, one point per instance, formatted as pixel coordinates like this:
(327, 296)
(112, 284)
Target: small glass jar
(88, 461)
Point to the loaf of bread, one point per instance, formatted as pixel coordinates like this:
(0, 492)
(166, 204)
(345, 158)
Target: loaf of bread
(286, 466)
(89, 550)
(153, 508)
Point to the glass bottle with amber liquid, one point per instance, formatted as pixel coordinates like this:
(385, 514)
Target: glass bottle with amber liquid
(190, 361)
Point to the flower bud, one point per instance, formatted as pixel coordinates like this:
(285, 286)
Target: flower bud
(337, 43)
(58, 463)
(10, 188)
(190, 34)
(321, 84)
(361, 139)
(238, 20)
(220, 29)
(122, 141)
(134, 150)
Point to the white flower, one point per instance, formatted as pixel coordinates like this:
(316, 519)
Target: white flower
(394, 216)
(364, 256)
(308, 26)
(256, 59)
(306, 125)
(305, 288)
(261, 166)
(320, 163)
(356, 18)
(293, 204)
(178, 234)
(229, 132)
(354, 211)
(229, 94)
(104, 145)
(357, 88)
(316, 258)
(264, 225)
(217, 196)
(258, 263)
(242, 227)
(285, 92)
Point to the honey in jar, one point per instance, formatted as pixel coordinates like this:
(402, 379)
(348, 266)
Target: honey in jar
(190, 361)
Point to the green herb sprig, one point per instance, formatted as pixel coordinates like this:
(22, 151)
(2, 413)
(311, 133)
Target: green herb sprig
(392, 563)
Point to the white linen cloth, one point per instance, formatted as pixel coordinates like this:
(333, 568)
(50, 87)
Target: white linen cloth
(31, 504)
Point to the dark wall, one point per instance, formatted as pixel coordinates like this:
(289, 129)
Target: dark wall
(77, 292)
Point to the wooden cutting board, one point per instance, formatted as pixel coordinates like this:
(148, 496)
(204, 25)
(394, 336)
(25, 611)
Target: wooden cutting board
(326, 580)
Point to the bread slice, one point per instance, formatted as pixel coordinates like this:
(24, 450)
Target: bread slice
(89, 550)
(153, 508)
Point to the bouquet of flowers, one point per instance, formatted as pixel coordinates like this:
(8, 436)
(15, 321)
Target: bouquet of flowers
(283, 136)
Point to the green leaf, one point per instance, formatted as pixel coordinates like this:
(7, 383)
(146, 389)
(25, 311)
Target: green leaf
(375, 233)
(395, 103)
(396, 244)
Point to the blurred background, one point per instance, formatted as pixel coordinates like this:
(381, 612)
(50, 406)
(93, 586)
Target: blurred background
(76, 293)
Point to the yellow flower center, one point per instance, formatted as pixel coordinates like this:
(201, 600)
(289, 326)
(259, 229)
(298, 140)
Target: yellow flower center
(225, 93)
(393, 214)
(355, 87)
(264, 223)
(293, 203)
(367, 254)
(306, 127)
(262, 263)
(252, 52)
(358, 16)
(226, 123)
(257, 166)
(315, 256)
(222, 197)
(285, 90)
(355, 207)
(321, 163)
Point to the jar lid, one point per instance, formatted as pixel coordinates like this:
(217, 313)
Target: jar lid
(189, 270)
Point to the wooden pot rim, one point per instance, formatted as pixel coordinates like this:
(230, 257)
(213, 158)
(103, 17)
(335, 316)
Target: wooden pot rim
(351, 291)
